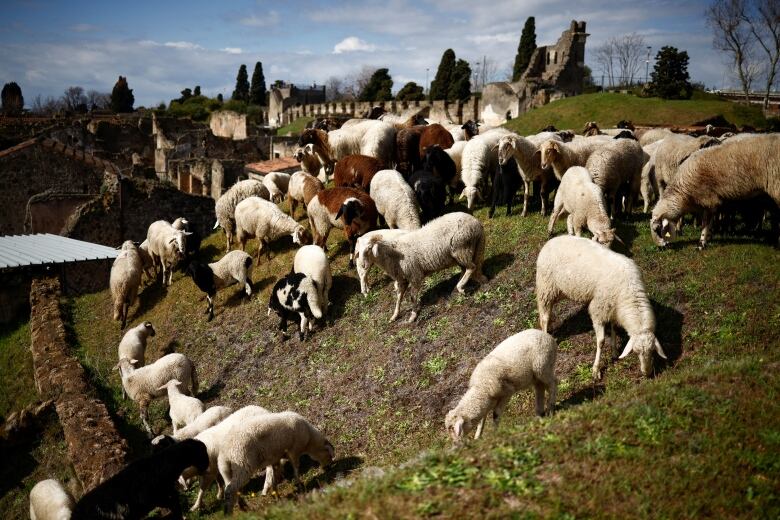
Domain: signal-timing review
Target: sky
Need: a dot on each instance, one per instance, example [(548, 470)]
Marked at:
[(163, 47)]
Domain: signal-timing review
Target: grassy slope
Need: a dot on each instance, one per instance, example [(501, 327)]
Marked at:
[(17, 385), (294, 128), (608, 109)]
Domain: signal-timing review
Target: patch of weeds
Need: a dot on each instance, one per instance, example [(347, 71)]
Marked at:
[(429, 508), (379, 374), (565, 346), (650, 429), (515, 469), (608, 448), (405, 335), (583, 374), (499, 322), (371, 298), (455, 473), (435, 365), (564, 386), (435, 330)]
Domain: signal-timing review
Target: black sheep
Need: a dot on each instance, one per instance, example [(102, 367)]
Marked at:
[(439, 162), (430, 192), (143, 485), (505, 185), (295, 298)]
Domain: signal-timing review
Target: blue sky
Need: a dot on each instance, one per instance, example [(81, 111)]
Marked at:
[(163, 47)]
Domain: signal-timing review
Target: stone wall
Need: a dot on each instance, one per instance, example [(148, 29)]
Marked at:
[(226, 123)]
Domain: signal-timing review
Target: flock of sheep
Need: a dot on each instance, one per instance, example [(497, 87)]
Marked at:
[(400, 173)]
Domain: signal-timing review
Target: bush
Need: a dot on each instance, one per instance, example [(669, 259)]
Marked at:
[(235, 105)]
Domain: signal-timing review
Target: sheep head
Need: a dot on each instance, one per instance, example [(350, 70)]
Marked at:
[(471, 128), (550, 151), (364, 258), (457, 425), (606, 237), (506, 149), (149, 328), (350, 210), (591, 128), (323, 452), (470, 193), (169, 384), (301, 236), (644, 344)]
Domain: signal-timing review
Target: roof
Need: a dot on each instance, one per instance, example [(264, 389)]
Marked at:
[(281, 164), (42, 249)]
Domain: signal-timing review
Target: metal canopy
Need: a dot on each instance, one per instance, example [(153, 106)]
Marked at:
[(24, 250)]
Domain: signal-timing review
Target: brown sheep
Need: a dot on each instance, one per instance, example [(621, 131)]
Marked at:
[(407, 145), (356, 171), (303, 187), (435, 134)]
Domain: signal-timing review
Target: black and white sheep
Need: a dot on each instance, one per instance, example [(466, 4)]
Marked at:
[(296, 297), (234, 267)]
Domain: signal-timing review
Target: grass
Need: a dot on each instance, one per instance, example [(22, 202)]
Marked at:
[(701, 439), (17, 385), (296, 127), (607, 109)]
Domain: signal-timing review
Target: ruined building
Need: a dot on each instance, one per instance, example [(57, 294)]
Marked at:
[(288, 95)]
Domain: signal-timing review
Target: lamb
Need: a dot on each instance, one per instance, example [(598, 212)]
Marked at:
[(234, 267), (736, 169), (225, 207), (312, 261), (144, 384), (395, 200), (262, 219), (50, 501), (313, 163), (344, 208), (143, 485), (505, 185), (672, 153), (579, 196), (125, 279), (527, 155), (453, 239), (479, 156), (562, 156), (362, 242), (210, 417), (523, 360), (303, 187), (184, 409), (609, 283), (431, 194), (296, 297), (263, 441), (133, 344), (276, 183), (167, 246), (356, 171), (617, 165)]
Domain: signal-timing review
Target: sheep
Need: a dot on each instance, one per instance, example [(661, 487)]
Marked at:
[(463, 132), (344, 208), (296, 297), (579, 196), (562, 156), (263, 441), (395, 200), (143, 384), (262, 219), (276, 183), (453, 239), (125, 279), (611, 284), (379, 234), (184, 409), (431, 194), (506, 182), (167, 245), (225, 207), (313, 163), (303, 186), (440, 163), (312, 261), (736, 169), (355, 171), (147, 260), (456, 154), (133, 344), (407, 149), (672, 153), (192, 238), (523, 360), (617, 165), (372, 138), (435, 134), (479, 157), (143, 485), (209, 417), (50, 501), (234, 267), (653, 134)]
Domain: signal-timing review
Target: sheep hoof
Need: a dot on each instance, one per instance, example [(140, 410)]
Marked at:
[(412, 317), (393, 318)]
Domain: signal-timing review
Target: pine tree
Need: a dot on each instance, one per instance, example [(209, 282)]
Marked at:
[(440, 86), (460, 82), (241, 93), (525, 48), (378, 88), (219, 97), (410, 92), (670, 79), (196, 91), (122, 98), (257, 91), (13, 101)]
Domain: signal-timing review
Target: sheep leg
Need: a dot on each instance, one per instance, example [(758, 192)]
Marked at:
[(204, 481), (142, 407), (615, 348), (570, 224), (599, 328), (480, 426), (231, 496), (247, 289), (400, 290), (539, 394), (270, 483), (556, 212), (527, 188), (543, 194), (302, 332), (210, 309), (172, 504), (498, 411), (706, 223), (544, 311), (465, 278), (414, 295)]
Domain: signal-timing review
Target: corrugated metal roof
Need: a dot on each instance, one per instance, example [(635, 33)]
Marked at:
[(24, 250)]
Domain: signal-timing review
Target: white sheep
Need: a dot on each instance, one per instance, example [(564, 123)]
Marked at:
[(611, 284), (234, 267), (225, 207), (561, 156), (167, 245), (395, 200), (144, 384), (617, 165), (184, 409), (262, 219), (209, 417), (303, 187), (277, 184), (371, 137), (50, 501), (452, 239), (653, 134), (579, 196), (362, 243), (672, 153), (147, 260), (125, 279), (456, 154), (524, 360), (133, 344), (649, 183), (312, 261), (480, 158)]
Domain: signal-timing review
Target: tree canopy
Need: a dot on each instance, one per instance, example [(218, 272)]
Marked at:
[(440, 86), (460, 82), (525, 48), (13, 102), (378, 88), (258, 91), (122, 98), (410, 92), (670, 79), (241, 92)]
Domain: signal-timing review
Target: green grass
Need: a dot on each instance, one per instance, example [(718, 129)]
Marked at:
[(607, 109), (17, 384), (296, 127)]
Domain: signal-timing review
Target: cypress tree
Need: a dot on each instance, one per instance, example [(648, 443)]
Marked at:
[(257, 91), (378, 88), (525, 48), (122, 98), (440, 86), (196, 91), (13, 102), (241, 92), (460, 82), (410, 92)]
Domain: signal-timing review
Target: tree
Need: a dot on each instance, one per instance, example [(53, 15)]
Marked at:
[(334, 89), (258, 92), (410, 92), (378, 88), (628, 52), (440, 86), (765, 27), (460, 82), (185, 95), (98, 100), (220, 98), (670, 78), (525, 48), (605, 57), (13, 101), (122, 98), (241, 92), (196, 91), (74, 99)]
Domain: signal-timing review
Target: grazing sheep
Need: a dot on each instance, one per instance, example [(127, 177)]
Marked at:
[(523, 360), (649, 182), (456, 154), (303, 187), (125, 279), (579, 196), (562, 156), (431, 194), (372, 138), (611, 284), (167, 246), (184, 409), (617, 165), (435, 134), (225, 207), (671, 153), (526, 153), (296, 297), (133, 344), (144, 384), (234, 267), (312, 261), (453, 239), (202, 422), (344, 208), (50, 501), (312, 163), (505, 185), (362, 243), (395, 200), (653, 134), (277, 184), (263, 441), (356, 171), (143, 485), (262, 219), (736, 169), (479, 157), (407, 149), (441, 164), (147, 260)]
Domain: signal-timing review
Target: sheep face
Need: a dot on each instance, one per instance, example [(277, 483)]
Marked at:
[(363, 259), (178, 243), (350, 210), (660, 228), (301, 236), (506, 149), (644, 344), (471, 128), (605, 237), (323, 454), (457, 425), (549, 151), (149, 328), (470, 193)]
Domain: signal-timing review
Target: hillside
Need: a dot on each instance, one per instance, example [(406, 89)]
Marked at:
[(700, 439), (607, 109)]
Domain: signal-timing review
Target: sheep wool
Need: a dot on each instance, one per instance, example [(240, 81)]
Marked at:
[(312, 261), (262, 219), (50, 501), (225, 207), (125, 279)]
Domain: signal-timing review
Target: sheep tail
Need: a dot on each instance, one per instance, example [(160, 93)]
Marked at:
[(194, 377), (314, 303)]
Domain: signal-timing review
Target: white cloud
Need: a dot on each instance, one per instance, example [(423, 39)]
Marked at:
[(84, 27), (261, 20), (494, 38), (183, 45), (353, 44), (232, 50)]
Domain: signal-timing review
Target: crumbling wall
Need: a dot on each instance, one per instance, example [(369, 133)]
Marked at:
[(226, 123)]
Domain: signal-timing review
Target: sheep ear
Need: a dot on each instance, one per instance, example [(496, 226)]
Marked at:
[(659, 350), (617, 237), (628, 349), (495, 147), (269, 311), (133, 361), (172, 240), (341, 210), (309, 148), (188, 233), (375, 249), (164, 387), (458, 427)]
